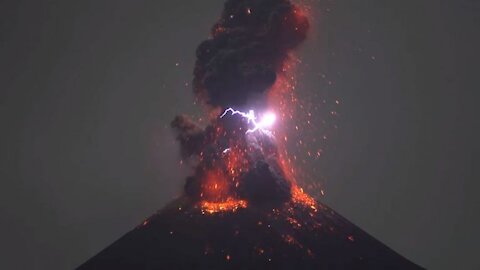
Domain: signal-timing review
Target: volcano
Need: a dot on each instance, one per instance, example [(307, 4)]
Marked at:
[(300, 234), (242, 207)]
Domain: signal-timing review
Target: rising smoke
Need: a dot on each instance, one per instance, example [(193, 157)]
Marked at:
[(239, 63)]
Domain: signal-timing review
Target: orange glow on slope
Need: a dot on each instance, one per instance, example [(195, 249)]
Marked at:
[(216, 195), (300, 197), (229, 205)]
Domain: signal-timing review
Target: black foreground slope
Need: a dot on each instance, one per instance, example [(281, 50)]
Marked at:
[(294, 236)]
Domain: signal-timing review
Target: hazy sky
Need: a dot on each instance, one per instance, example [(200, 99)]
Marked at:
[(87, 88)]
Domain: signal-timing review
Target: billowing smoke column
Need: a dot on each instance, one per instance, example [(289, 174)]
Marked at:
[(235, 68), (249, 45)]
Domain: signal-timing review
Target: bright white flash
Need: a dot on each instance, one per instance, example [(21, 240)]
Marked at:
[(266, 120)]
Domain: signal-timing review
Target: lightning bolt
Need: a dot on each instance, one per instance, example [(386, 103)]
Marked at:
[(266, 121)]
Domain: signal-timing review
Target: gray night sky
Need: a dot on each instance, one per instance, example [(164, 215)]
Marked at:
[(87, 88)]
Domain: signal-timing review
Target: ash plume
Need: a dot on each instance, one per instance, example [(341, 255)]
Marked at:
[(239, 62), (249, 44)]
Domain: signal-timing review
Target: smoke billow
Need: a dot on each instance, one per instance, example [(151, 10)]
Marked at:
[(249, 44), (248, 47)]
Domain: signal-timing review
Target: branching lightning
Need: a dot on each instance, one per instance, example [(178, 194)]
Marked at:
[(266, 121)]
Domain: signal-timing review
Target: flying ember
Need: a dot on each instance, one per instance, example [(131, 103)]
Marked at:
[(266, 120)]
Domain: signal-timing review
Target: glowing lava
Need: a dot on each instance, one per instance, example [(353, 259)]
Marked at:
[(230, 204)]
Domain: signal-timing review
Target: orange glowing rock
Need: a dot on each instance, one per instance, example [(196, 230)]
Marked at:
[(300, 197), (229, 205)]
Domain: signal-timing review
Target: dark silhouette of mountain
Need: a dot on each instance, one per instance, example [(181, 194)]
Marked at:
[(297, 235)]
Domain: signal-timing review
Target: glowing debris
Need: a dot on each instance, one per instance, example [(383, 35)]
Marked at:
[(229, 205)]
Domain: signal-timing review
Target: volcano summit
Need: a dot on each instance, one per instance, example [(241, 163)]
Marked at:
[(295, 235)]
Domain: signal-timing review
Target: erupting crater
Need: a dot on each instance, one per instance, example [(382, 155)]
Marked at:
[(242, 207)]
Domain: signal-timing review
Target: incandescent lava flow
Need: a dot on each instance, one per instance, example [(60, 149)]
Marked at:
[(242, 208)]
